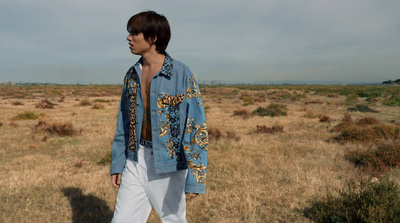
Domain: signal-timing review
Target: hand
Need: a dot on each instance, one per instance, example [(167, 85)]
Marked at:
[(116, 179), (191, 196)]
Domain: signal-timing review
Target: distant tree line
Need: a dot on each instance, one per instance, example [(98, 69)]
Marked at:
[(392, 82)]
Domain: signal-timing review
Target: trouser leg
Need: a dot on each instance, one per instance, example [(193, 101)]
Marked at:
[(141, 188), (132, 205), (166, 191)]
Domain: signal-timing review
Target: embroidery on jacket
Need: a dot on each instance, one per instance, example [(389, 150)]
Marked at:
[(169, 110), (193, 90), (199, 139), (131, 84)]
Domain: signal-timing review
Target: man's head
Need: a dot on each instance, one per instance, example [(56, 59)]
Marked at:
[(155, 28)]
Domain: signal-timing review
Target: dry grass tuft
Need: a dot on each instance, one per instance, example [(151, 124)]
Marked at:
[(97, 105), (214, 133), (244, 113), (394, 122), (45, 104), (278, 127), (346, 122), (106, 159), (85, 102), (17, 103), (58, 128), (25, 116), (313, 102), (79, 164), (62, 99), (232, 135), (13, 124)]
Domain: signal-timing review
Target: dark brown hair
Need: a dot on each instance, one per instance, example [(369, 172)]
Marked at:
[(151, 25)]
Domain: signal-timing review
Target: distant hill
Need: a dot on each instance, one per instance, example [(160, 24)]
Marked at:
[(392, 82)]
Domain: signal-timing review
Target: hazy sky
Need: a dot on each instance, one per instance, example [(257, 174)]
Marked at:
[(253, 41)]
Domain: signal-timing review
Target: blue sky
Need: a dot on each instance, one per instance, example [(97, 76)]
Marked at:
[(254, 41)]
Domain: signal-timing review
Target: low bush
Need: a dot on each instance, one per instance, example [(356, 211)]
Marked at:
[(244, 113), (55, 128), (214, 133), (45, 104), (376, 161), (17, 103), (365, 130), (362, 108), (346, 122), (370, 202), (271, 110), (101, 100), (313, 102), (325, 118), (232, 135), (271, 130), (367, 121), (369, 133), (25, 116)]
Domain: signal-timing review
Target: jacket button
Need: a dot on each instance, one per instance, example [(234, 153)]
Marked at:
[(137, 103)]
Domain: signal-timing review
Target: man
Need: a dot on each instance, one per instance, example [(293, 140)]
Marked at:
[(159, 151)]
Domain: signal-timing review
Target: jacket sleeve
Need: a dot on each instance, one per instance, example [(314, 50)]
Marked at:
[(120, 138), (195, 139)]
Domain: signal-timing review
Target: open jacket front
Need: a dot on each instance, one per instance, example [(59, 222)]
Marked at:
[(178, 123)]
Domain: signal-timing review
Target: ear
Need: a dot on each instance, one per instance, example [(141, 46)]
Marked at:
[(152, 40)]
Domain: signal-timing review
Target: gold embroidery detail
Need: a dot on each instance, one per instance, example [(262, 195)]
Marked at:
[(172, 100)]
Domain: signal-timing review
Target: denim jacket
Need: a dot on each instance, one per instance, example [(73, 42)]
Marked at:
[(178, 123)]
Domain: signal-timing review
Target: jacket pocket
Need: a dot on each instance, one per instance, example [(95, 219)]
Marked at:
[(172, 100)]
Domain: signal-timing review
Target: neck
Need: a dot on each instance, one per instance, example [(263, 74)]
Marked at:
[(153, 59)]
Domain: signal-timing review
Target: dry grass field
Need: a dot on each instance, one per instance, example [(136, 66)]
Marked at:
[(55, 144)]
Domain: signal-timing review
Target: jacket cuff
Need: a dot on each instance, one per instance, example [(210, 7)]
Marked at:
[(115, 170), (195, 188)]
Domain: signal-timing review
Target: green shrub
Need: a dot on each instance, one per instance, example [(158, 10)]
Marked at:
[(362, 108), (271, 110), (351, 99), (392, 101), (372, 202), (292, 97), (25, 116), (248, 100)]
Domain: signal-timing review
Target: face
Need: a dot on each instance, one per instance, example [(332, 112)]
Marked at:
[(138, 44)]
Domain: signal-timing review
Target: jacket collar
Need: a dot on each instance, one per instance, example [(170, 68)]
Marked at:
[(167, 67)]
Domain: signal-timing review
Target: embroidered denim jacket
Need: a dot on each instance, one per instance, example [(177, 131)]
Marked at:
[(178, 123)]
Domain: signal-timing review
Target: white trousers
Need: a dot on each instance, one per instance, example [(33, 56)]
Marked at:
[(141, 189)]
